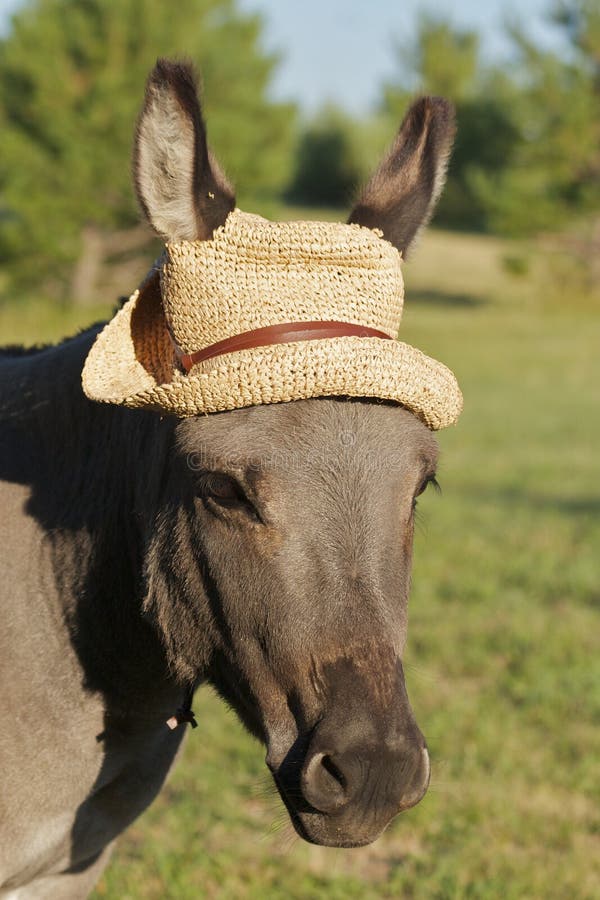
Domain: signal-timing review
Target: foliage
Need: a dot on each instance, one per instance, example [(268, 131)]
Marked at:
[(441, 60), (554, 175), (526, 160), (446, 61), (326, 169), (71, 83), (335, 154), (527, 155)]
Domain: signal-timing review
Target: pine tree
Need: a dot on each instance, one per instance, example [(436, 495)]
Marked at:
[(71, 82), (446, 61), (554, 177)]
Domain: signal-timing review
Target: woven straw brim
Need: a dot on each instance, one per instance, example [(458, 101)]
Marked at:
[(133, 363)]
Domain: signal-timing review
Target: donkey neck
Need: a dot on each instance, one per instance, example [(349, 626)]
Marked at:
[(93, 475)]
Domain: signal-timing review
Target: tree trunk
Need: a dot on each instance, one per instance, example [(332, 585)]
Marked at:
[(84, 279), (107, 262)]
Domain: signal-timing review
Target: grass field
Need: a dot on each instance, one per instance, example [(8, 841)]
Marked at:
[(503, 658)]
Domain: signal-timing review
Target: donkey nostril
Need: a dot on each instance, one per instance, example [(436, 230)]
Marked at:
[(324, 783), (335, 772)]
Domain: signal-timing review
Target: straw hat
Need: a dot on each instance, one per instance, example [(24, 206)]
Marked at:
[(267, 312)]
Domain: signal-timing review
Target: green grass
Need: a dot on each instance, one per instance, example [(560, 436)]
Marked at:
[(503, 659)]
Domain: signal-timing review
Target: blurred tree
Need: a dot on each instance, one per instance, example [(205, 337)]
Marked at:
[(445, 61), (327, 167), (442, 60), (553, 178), (71, 83)]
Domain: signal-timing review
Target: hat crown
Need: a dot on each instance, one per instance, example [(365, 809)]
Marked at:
[(255, 273)]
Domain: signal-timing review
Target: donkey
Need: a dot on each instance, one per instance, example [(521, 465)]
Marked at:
[(143, 553)]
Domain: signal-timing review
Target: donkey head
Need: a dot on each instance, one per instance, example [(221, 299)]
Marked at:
[(279, 566)]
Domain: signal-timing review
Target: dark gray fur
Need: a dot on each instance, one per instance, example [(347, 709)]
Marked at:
[(266, 551)]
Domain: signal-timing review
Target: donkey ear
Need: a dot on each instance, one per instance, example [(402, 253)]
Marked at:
[(401, 196), (179, 186)]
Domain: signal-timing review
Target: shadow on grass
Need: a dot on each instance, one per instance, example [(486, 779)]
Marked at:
[(577, 505), (446, 298)]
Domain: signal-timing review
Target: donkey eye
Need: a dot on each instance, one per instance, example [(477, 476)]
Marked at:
[(430, 479), (221, 488), (225, 492)]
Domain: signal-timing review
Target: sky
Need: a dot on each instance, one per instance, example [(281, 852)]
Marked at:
[(342, 50)]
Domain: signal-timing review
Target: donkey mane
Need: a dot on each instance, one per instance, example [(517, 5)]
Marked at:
[(11, 351), (14, 351)]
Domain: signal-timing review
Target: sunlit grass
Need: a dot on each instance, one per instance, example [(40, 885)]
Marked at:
[(503, 660)]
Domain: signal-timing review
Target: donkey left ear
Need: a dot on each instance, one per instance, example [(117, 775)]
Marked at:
[(401, 196), (180, 187)]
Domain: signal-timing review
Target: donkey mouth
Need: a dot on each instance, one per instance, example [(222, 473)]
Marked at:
[(355, 823), (317, 828)]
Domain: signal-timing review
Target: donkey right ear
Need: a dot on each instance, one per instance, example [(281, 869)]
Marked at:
[(401, 196), (181, 189)]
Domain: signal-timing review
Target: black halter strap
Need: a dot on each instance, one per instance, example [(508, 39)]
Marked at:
[(184, 713)]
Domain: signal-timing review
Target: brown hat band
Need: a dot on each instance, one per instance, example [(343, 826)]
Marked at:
[(283, 333)]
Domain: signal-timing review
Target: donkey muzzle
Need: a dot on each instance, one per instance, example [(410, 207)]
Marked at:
[(362, 764)]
